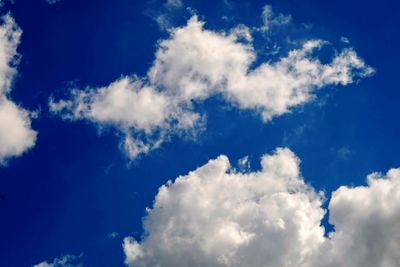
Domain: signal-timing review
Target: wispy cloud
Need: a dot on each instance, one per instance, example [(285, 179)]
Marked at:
[(194, 64), (52, 2), (64, 261)]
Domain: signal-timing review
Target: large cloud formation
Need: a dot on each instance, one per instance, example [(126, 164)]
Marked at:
[(194, 64), (16, 135), (217, 216)]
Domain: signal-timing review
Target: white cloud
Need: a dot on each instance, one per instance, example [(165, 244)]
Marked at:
[(163, 21), (65, 261), (195, 64), (367, 223), (112, 235), (216, 216), (52, 2), (244, 164), (126, 102), (164, 14), (344, 153), (174, 3), (270, 19), (130, 104), (16, 135), (345, 40), (10, 36)]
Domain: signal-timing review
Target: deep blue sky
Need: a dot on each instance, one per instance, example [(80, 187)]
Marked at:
[(75, 186)]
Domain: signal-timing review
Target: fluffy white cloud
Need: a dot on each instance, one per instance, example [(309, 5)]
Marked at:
[(195, 64), (126, 102), (130, 104), (65, 261), (367, 223), (16, 135), (217, 216)]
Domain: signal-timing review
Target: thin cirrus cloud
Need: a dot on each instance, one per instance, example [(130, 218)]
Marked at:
[(218, 216), (270, 19), (16, 134), (194, 64), (174, 3)]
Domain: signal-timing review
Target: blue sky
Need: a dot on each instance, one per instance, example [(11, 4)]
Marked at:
[(79, 191)]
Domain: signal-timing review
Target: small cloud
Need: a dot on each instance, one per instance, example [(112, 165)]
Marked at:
[(52, 2), (244, 164), (174, 3), (226, 18), (344, 153), (228, 3), (345, 40), (163, 22), (64, 261), (112, 235), (295, 135), (164, 14), (270, 19)]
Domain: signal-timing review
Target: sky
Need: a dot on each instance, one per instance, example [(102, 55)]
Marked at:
[(199, 133)]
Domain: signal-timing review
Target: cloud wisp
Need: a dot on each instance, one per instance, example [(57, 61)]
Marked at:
[(196, 63), (16, 134), (64, 261), (52, 2), (217, 216)]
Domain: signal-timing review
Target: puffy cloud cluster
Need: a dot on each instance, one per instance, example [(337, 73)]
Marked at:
[(16, 135), (217, 216), (194, 64), (367, 223)]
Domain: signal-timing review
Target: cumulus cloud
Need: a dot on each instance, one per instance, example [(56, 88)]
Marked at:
[(194, 64), (129, 104), (65, 261), (16, 135), (367, 223), (216, 216)]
